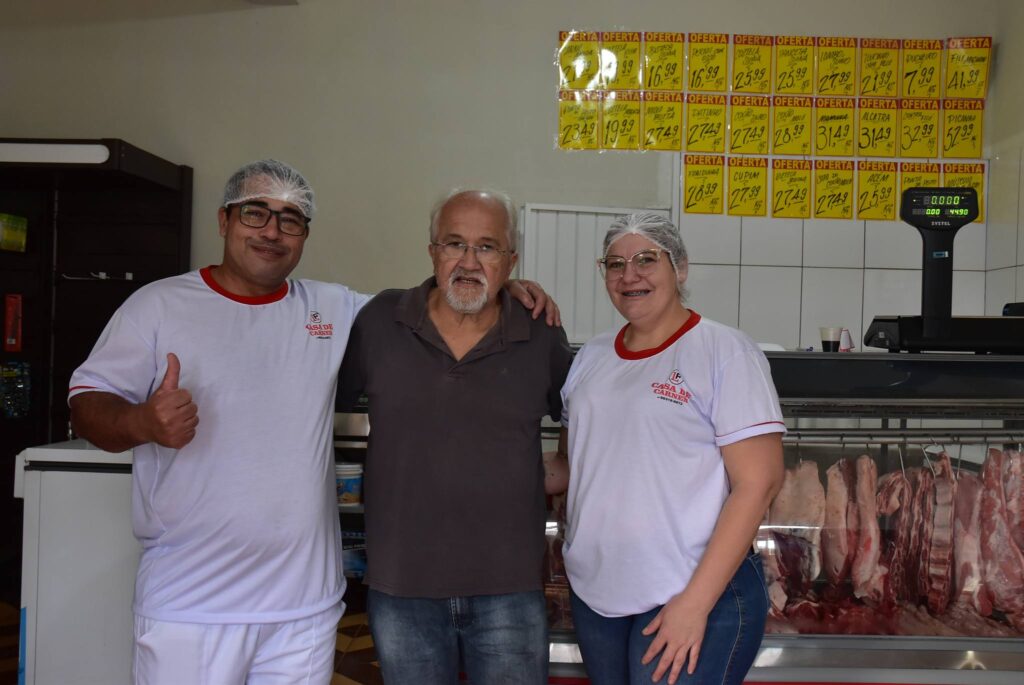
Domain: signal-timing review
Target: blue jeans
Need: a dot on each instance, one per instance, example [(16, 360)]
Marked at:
[(501, 639), (612, 647)]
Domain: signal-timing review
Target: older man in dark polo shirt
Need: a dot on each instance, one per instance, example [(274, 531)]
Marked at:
[(458, 381)]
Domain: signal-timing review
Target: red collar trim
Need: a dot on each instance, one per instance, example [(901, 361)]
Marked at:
[(207, 273), (620, 344)]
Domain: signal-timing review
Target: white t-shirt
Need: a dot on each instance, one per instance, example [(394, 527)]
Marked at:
[(241, 524), (647, 479)]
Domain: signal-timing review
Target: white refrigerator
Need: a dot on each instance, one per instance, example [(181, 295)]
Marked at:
[(78, 567)]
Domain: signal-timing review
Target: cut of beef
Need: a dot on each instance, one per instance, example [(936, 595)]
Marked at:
[(839, 537), (939, 564), (1002, 561), (967, 569), (868, 575)]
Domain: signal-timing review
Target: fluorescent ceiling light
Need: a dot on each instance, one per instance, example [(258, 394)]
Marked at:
[(54, 153)]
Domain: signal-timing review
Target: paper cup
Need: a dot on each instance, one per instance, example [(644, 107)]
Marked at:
[(830, 338)]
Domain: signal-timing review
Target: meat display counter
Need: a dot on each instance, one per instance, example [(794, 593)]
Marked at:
[(894, 552)]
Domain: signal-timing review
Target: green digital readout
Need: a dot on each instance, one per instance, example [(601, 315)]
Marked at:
[(941, 200)]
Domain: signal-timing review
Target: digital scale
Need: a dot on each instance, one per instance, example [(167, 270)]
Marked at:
[(937, 214)]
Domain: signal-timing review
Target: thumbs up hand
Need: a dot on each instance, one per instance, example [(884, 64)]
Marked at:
[(169, 415)]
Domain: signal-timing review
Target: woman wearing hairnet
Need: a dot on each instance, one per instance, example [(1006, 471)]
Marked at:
[(672, 431)]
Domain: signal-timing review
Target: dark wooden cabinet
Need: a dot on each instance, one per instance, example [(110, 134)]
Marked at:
[(104, 218)]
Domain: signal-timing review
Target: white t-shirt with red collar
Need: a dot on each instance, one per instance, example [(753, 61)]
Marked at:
[(647, 478), (240, 525)]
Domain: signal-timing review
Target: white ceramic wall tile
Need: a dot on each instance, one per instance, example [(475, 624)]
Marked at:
[(833, 243), (891, 245), (968, 293), (891, 291), (1020, 219), (1000, 288), (770, 304), (830, 297), (969, 248), (711, 238), (715, 292), (1003, 196), (771, 242)]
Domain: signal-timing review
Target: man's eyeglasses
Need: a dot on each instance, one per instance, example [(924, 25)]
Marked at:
[(257, 216), (486, 254), (644, 263)]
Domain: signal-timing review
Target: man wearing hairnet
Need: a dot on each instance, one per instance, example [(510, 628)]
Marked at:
[(223, 381)]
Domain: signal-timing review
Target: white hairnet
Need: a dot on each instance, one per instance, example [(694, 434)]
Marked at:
[(660, 231), (271, 179)]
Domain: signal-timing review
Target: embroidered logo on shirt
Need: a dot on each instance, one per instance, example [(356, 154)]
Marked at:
[(317, 328), (673, 390)]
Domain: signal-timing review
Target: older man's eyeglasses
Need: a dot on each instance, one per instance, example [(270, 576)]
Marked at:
[(289, 222), (644, 262), (486, 254)]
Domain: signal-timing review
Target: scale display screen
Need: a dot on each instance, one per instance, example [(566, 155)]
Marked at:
[(939, 208)]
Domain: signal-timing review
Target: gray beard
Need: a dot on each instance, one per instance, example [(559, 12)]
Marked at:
[(466, 303)]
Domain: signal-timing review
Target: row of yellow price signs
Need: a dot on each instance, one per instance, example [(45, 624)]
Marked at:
[(819, 189), (787, 65), (780, 125)]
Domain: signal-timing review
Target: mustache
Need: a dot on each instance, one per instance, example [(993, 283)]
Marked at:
[(270, 247), (459, 272)]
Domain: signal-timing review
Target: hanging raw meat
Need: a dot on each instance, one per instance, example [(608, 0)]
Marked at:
[(1013, 492), (868, 575), (839, 537), (939, 564), (894, 502), (969, 587), (799, 509), (1002, 561)]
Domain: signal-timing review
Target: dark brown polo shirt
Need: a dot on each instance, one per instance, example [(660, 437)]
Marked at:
[(454, 484)]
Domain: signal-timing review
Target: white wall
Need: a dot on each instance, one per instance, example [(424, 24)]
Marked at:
[(1005, 243), (382, 104)]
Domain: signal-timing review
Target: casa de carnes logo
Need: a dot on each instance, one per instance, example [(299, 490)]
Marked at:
[(317, 328), (672, 390)]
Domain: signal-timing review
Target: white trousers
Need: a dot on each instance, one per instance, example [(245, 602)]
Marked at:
[(293, 653)]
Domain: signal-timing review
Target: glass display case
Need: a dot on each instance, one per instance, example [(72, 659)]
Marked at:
[(895, 550)]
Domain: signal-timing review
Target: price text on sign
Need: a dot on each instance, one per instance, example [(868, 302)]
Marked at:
[(919, 128), (792, 126), (579, 61), (918, 175), (663, 61), (578, 117), (748, 186), (834, 127), (791, 188), (922, 68), (620, 120), (663, 121), (833, 189), (752, 63), (794, 65), (709, 61), (877, 127), (705, 123), (748, 129), (876, 191), (879, 67), (961, 127), (837, 64), (702, 184), (620, 59), (967, 176), (967, 61)]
